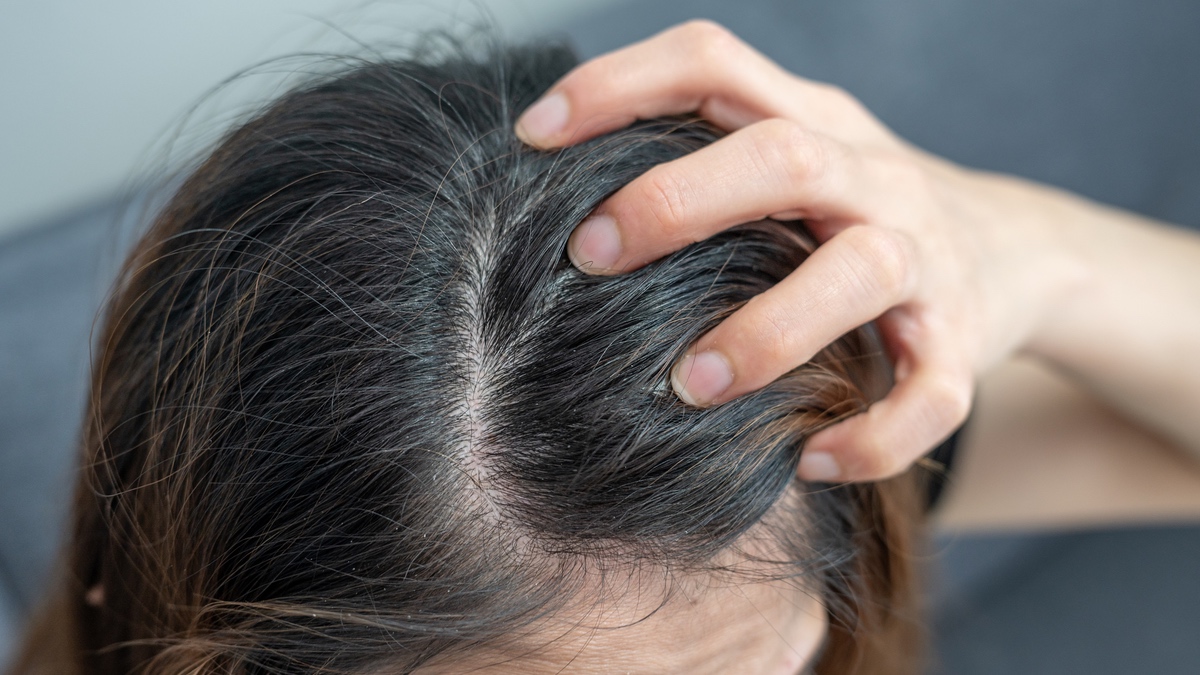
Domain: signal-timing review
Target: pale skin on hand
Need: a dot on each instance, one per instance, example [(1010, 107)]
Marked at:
[(962, 269)]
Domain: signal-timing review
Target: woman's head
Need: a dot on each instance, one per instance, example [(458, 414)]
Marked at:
[(354, 411)]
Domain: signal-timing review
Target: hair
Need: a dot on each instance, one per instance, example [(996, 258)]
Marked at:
[(353, 407)]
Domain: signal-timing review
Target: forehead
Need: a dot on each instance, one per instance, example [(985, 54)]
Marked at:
[(700, 626)]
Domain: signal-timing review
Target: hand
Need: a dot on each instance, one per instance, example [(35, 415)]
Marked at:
[(958, 267)]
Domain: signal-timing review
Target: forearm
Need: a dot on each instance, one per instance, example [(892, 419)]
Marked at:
[(1127, 327), (1041, 452)]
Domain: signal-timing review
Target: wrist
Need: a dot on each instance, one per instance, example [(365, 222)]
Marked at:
[(1069, 230), (1036, 264)]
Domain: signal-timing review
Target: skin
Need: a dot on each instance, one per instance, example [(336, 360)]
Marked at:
[(733, 618), (962, 269), (707, 626), (1033, 427)]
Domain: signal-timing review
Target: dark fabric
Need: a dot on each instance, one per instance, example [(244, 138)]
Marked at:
[(1111, 602)]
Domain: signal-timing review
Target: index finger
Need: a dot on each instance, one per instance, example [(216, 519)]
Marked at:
[(767, 168), (697, 66)]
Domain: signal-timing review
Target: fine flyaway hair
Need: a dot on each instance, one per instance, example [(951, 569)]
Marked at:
[(353, 408)]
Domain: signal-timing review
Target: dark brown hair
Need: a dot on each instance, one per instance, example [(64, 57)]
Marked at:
[(353, 407)]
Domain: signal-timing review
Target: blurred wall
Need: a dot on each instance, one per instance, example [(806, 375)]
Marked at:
[(90, 92)]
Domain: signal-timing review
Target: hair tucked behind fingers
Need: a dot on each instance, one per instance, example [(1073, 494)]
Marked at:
[(353, 405)]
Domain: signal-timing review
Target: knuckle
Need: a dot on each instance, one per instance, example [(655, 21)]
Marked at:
[(950, 401), (665, 198), (710, 43), (841, 99), (773, 338), (885, 258), (704, 30), (787, 147), (876, 459)]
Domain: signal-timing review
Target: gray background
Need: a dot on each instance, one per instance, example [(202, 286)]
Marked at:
[(1098, 96), (93, 91)]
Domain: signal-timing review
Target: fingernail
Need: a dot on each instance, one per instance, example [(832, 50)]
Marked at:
[(543, 120), (819, 466), (699, 379), (595, 245)]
